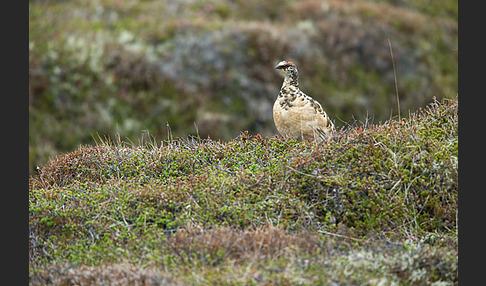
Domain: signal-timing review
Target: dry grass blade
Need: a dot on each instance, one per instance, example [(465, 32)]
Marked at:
[(395, 77)]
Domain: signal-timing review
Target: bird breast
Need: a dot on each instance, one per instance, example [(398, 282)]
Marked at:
[(297, 116)]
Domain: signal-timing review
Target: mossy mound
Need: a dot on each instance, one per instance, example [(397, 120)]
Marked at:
[(375, 199)]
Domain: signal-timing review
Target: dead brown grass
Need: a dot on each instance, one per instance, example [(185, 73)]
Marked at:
[(215, 245), (113, 274)]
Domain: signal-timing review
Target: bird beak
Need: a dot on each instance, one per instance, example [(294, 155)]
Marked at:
[(283, 65)]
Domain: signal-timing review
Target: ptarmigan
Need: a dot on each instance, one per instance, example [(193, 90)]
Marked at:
[(296, 114)]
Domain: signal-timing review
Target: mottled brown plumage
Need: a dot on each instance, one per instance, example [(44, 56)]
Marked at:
[(296, 114)]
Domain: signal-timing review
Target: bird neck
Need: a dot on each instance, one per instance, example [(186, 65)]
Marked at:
[(291, 81)]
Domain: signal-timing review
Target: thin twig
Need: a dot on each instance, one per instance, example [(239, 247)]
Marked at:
[(343, 236), (302, 173), (395, 76)]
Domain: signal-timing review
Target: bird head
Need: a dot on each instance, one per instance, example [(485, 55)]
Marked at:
[(288, 69)]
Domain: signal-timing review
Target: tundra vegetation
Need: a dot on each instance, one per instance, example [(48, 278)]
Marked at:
[(153, 157), (205, 67), (375, 204)]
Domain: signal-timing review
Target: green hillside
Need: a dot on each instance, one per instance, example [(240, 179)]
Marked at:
[(374, 205), (205, 67)]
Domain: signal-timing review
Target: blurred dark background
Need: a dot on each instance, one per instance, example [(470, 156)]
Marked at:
[(206, 67)]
